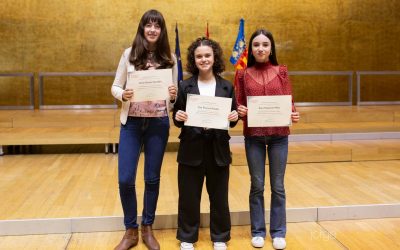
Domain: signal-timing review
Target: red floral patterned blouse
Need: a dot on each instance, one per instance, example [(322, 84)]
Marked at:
[(260, 80)]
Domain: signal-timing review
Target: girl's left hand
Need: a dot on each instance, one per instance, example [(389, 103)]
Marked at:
[(295, 116), (172, 92), (233, 116)]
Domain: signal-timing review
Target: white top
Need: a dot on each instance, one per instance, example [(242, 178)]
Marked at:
[(208, 88)]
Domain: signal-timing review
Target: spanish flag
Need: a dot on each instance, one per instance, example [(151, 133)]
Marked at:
[(239, 52)]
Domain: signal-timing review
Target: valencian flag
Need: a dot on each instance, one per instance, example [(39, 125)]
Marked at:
[(207, 33), (239, 52), (178, 54)]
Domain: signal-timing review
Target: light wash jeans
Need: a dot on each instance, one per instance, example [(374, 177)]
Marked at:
[(256, 149)]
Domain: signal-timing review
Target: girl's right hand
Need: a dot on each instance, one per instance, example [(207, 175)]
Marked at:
[(181, 116), (242, 110), (127, 94), (295, 116)]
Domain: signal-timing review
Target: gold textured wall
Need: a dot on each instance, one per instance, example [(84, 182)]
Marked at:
[(62, 36)]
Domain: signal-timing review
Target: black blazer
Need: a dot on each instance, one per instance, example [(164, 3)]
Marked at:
[(192, 138)]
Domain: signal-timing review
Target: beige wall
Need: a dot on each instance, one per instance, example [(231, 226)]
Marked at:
[(52, 36)]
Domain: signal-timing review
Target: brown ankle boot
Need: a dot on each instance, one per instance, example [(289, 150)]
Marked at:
[(129, 240), (148, 238)]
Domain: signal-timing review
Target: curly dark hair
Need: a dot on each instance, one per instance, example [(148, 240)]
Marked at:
[(218, 66)]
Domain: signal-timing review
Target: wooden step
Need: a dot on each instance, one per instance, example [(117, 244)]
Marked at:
[(6, 117), (321, 128), (64, 118), (86, 185), (349, 113), (45, 136), (331, 151), (34, 127)]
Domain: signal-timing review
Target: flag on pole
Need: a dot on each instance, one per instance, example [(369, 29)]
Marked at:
[(239, 52), (178, 54), (207, 33)]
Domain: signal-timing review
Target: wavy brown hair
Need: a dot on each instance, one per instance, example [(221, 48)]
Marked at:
[(218, 66), (162, 53)]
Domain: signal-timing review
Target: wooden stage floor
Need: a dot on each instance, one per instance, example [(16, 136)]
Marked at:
[(329, 235), (85, 185), (344, 163)]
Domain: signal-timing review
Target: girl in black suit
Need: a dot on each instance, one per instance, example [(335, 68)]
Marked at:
[(203, 152)]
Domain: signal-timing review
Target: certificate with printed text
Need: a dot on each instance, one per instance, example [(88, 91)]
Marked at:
[(269, 111), (208, 111), (149, 85)]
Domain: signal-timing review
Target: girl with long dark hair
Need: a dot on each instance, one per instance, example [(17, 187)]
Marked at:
[(144, 125)]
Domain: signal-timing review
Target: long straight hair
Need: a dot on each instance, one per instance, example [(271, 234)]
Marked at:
[(162, 52), (272, 57)]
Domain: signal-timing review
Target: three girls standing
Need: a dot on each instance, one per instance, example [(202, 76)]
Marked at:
[(202, 152)]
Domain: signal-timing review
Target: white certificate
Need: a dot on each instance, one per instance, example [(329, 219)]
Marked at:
[(149, 85), (269, 111), (208, 111)]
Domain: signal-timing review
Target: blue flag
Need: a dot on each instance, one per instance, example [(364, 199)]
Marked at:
[(178, 54), (239, 52)]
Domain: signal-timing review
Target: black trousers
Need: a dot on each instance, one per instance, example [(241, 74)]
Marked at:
[(190, 184)]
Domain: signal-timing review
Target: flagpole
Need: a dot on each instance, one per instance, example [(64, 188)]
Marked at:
[(207, 32), (178, 54)]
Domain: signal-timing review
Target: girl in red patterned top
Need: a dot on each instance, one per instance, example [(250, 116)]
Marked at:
[(265, 77)]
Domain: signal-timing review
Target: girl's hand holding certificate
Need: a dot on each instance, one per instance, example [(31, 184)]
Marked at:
[(181, 116), (127, 94), (233, 116), (172, 90), (295, 116), (242, 110)]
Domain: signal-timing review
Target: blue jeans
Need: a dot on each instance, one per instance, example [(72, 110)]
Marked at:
[(151, 134), (277, 148)]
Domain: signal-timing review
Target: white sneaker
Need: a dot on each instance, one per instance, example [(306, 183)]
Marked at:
[(257, 241), (279, 243), (187, 246), (220, 246)]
